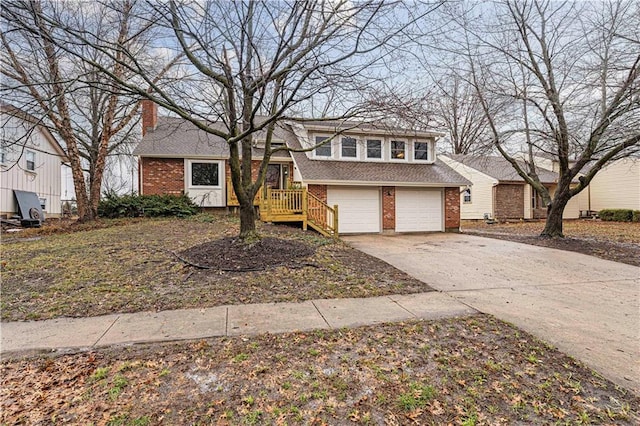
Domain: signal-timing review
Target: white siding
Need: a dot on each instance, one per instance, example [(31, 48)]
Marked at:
[(45, 180), (617, 186), (576, 204), (481, 191)]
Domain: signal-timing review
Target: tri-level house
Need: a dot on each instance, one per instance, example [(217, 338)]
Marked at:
[(363, 179)]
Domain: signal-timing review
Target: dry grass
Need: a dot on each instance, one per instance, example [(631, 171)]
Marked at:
[(130, 267), (466, 371)]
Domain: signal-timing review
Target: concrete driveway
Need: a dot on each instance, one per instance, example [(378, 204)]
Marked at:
[(588, 307)]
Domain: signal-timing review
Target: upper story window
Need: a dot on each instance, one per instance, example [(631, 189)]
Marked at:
[(374, 148), (349, 148), (466, 195), (325, 149), (421, 151), (398, 150), (30, 158), (205, 174)]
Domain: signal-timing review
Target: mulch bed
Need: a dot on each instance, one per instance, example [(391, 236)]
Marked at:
[(233, 254)]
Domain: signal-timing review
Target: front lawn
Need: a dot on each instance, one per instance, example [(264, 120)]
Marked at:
[(466, 371), (131, 266), (616, 241)]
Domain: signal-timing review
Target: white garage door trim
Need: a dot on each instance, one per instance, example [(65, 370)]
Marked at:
[(359, 209), (419, 210)]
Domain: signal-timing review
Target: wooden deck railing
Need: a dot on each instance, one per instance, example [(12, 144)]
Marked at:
[(298, 205), (322, 215), (232, 198), (285, 201)]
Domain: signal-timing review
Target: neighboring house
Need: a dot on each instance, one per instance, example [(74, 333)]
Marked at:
[(380, 179), (30, 160), (498, 192), (615, 186)]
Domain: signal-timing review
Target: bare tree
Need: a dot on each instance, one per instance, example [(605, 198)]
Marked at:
[(253, 64), (459, 110), (560, 79), (80, 104)]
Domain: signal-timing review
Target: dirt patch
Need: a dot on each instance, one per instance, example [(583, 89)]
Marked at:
[(619, 242), (233, 254), (471, 370)]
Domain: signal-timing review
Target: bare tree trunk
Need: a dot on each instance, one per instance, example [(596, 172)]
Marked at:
[(555, 211), (248, 221), (553, 226)]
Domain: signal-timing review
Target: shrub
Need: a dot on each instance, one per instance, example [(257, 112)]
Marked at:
[(635, 217), (616, 215), (114, 206)]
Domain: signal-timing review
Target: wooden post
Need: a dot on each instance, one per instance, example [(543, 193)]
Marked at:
[(305, 205), (335, 221), (268, 203)]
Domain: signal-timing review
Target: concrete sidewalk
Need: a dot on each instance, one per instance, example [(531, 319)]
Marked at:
[(65, 333)]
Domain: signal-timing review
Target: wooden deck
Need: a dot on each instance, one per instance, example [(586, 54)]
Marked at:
[(292, 205)]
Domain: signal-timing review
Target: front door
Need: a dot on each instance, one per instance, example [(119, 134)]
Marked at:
[(273, 178)]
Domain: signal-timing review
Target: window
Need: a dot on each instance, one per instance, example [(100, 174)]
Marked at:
[(30, 157), (397, 150), (421, 151), (323, 150), (349, 149), (536, 199), (3, 153), (374, 148), (204, 174), (466, 195)]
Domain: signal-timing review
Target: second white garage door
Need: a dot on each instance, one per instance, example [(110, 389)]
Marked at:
[(418, 210), (358, 208)]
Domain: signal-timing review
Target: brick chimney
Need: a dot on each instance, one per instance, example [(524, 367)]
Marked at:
[(149, 116)]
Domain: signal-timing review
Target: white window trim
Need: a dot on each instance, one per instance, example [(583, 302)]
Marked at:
[(406, 151), (26, 161), (357, 157), (429, 159), (464, 195), (366, 151), (221, 174), (328, 144)]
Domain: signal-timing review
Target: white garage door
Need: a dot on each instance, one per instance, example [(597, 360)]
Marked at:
[(418, 210), (358, 208)]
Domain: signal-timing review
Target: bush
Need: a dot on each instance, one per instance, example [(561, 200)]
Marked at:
[(618, 215), (635, 217), (114, 206)]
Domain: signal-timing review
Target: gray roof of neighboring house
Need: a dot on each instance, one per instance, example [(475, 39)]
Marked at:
[(500, 169), (374, 172), (176, 137)]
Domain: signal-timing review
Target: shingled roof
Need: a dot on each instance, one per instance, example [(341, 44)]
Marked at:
[(500, 169), (179, 138), (360, 172)]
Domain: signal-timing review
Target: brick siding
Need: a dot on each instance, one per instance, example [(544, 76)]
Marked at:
[(388, 207), (509, 201), (452, 209), (319, 191), (162, 176)]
